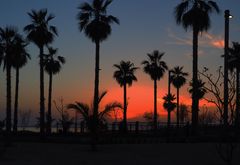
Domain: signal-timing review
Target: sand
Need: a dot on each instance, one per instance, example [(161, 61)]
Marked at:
[(114, 154)]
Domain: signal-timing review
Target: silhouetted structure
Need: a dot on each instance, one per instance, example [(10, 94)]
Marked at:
[(41, 34), (95, 23), (194, 14), (52, 65), (156, 68)]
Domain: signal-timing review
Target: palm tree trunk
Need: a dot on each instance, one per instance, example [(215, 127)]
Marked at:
[(49, 120), (155, 106), (237, 99), (177, 107), (169, 119), (42, 99), (195, 79), (125, 107), (15, 120), (96, 95), (8, 101)]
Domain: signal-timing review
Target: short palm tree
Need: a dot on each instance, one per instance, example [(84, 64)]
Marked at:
[(178, 78), (87, 112), (96, 24), (124, 75), (8, 39), (155, 68), (41, 33), (20, 59), (169, 105), (234, 62), (52, 65), (195, 14)]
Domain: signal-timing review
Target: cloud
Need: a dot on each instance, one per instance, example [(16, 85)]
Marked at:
[(205, 39)]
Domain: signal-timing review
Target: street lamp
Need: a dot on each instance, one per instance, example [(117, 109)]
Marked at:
[(227, 16), (169, 81)]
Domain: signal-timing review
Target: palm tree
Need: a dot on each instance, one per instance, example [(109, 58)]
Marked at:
[(52, 65), (195, 14), (234, 62), (41, 34), (124, 75), (156, 68), (169, 105), (20, 59), (87, 113), (201, 91), (95, 22), (8, 38), (178, 78)]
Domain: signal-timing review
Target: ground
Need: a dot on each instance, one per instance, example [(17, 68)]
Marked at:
[(114, 154)]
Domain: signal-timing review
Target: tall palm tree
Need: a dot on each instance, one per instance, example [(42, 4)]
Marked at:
[(195, 14), (178, 78), (124, 75), (8, 38), (20, 59), (234, 62), (155, 68), (96, 24), (41, 33), (169, 105), (52, 65)]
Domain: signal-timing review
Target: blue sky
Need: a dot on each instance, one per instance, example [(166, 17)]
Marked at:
[(145, 25)]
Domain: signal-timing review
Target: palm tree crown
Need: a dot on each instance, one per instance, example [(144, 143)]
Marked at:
[(169, 103), (195, 13), (39, 31), (52, 63), (154, 66), (178, 77), (93, 19), (201, 91), (125, 73)]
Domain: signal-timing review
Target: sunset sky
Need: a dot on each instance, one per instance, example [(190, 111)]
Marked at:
[(145, 25)]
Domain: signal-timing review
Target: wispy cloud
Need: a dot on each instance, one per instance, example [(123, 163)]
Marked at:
[(205, 39)]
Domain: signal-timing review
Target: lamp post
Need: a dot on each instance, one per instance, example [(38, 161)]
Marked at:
[(226, 54), (169, 81)]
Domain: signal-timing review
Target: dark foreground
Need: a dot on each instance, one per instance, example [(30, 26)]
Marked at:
[(26, 153)]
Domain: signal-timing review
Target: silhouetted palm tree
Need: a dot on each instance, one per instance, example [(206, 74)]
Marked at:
[(52, 65), (234, 63), (41, 33), (194, 14), (8, 38), (87, 112), (178, 78), (124, 75), (201, 91), (20, 59), (156, 68), (169, 105), (95, 22)]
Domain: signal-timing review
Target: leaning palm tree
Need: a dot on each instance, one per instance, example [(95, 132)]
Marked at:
[(178, 78), (8, 38), (124, 75), (41, 33), (52, 65), (195, 14), (20, 59), (169, 105), (95, 22), (234, 62), (156, 68)]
